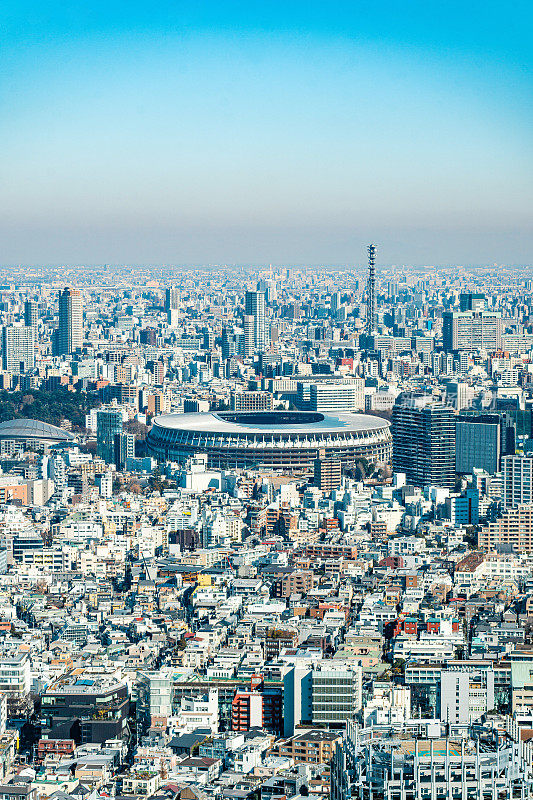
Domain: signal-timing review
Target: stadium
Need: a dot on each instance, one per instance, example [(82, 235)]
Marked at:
[(288, 441), (32, 433)]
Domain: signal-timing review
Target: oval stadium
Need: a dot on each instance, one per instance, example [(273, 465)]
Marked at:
[(33, 433), (289, 441)]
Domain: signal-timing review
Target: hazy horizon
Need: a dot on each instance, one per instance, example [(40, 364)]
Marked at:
[(288, 134)]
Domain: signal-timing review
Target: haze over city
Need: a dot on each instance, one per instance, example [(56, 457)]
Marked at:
[(284, 133)]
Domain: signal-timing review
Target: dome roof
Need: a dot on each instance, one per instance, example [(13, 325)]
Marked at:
[(33, 429)]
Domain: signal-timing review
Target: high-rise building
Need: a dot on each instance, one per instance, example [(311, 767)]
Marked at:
[(228, 343), (472, 302), (472, 330), (423, 441), (327, 472), (249, 336), (335, 302), (465, 695), (18, 349), (517, 478), (477, 443), (124, 449), (172, 304), (172, 298), (108, 425), (255, 306), (70, 331), (30, 313)]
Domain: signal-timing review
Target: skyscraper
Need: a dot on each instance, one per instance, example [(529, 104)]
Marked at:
[(255, 306), (249, 335), (18, 349), (108, 425), (172, 298), (70, 331), (172, 304), (228, 343), (423, 441), (30, 313)]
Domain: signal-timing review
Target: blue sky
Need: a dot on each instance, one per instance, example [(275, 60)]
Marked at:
[(285, 133)]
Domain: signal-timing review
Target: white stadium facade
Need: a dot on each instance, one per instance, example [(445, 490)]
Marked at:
[(287, 441)]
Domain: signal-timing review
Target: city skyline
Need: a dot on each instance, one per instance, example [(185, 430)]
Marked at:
[(288, 135)]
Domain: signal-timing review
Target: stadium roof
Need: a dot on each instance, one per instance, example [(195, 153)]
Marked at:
[(33, 429), (271, 421)]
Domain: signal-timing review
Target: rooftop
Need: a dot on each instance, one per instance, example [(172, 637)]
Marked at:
[(33, 429)]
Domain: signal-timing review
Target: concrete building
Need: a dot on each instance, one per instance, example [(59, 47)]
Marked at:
[(255, 307), (327, 472), (423, 441), (478, 443), (465, 695), (252, 401), (514, 529), (517, 477), (31, 313), (109, 423), (330, 396), (18, 349), (432, 762), (70, 331), (472, 330), (323, 696)]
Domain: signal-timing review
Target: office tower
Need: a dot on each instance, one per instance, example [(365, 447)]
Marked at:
[(108, 424), (228, 343), (269, 288), (30, 313), (423, 441), (517, 478), (371, 305), (327, 472), (172, 298), (172, 304), (327, 396), (459, 394), (335, 302), (392, 290), (472, 302), (18, 349), (70, 331), (478, 443), (471, 330), (255, 306)]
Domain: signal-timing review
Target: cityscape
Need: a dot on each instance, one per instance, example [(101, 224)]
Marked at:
[(266, 401)]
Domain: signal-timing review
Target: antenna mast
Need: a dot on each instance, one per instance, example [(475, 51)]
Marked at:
[(371, 304)]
